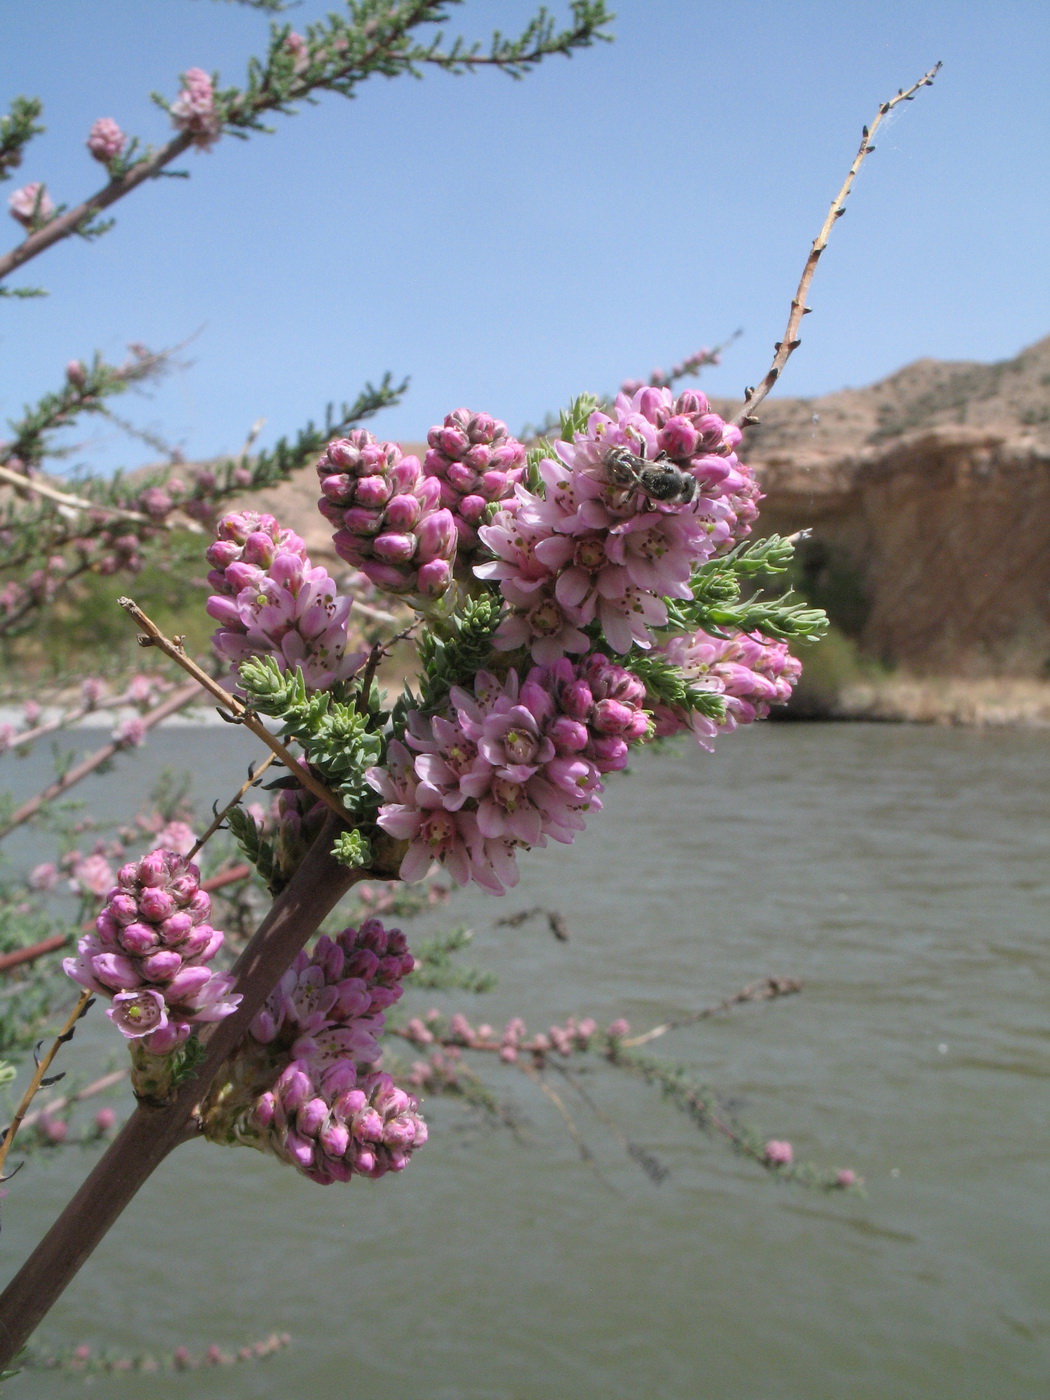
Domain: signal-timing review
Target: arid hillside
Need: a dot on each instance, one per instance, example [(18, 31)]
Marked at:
[(929, 498)]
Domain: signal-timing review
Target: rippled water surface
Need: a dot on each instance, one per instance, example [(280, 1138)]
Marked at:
[(900, 873)]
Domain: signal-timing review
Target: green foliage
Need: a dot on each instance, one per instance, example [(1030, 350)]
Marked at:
[(704, 1107), (435, 969), (33, 432), (717, 602), (85, 629), (257, 849), (335, 734), (573, 419), (352, 850), (17, 128), (375, 38), (454, 652), (664, 681)]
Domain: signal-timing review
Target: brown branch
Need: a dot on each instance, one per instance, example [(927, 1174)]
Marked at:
[(39, 1074), (768, 989), (153, 1131), (783, 348), (65, 225), (174, 702), (155, 638)]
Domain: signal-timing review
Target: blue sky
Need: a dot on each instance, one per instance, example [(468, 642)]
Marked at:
[(510, 244)]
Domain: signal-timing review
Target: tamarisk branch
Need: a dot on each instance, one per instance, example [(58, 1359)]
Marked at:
[(784, 348)]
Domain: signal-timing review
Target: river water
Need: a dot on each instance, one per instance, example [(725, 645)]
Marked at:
[(902, 874)]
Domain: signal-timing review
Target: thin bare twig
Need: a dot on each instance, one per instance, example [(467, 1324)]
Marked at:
[(783, 348), (585, 1152), (64, 498), (83, 1002), (221, 816), (154, 637), (768, 989), (97, 1086)]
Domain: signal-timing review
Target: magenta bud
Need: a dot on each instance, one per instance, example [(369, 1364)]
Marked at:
[(437, 536), (187, 983), (293, 1086), (156, 905), (123, 908), (394, 548), (368, 1126), (403, 513), (334, 1137), (264, 1028), (113, 970), (434, 578), (153, 869), (264, 1108), (175, 929), (373, 491), (359, 521), (348, 1103), (382, 997), (139, 939), (161, 966), (310, 1117)]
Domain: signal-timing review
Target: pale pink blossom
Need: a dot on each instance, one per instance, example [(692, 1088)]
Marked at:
[(193, 111), (779, 1153), (105, 140), (31, 205)]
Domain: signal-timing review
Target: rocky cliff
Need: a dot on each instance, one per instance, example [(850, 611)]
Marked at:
[(929, 499)]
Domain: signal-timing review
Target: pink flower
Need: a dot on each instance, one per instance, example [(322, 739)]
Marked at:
[(274, 602), (105, 140), (105, 1119), (477, 463), (176, 836), (389, 521), (324, 1110), (139, 1013), (149, 952), (845, 1179), (193, 111), (130, 733), (31, 205), (92, 875), (778, 1153), (43, 877)]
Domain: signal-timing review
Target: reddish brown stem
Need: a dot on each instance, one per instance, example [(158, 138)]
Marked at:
[(67, 224), (29, 809), (152, 1132)]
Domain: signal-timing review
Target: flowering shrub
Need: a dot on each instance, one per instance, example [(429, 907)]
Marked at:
[(570, 600)]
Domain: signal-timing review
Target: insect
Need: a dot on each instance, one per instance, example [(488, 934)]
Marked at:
[(659, 479)]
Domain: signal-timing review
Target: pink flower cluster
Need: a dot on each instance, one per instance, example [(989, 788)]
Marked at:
[(273, 602), (303, 1085), (749, 670), (477, 463), (105, 140), (596, 547), (390, 523), (149, 953), (508, 766), (31, 205), (193, 111)]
